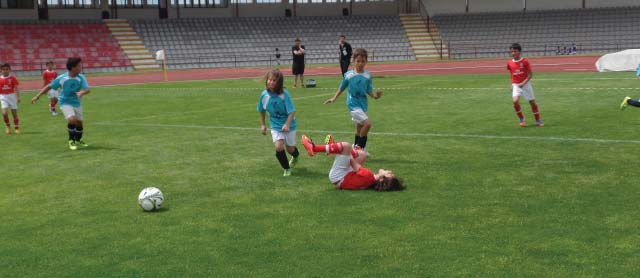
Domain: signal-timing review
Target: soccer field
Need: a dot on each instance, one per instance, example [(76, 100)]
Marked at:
[(484, 197)]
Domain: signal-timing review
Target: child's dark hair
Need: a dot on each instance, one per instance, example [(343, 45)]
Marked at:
[(73, 62), (516, 46), (49, 63), (388, 184), (360, 52), (279, 77), (343, 36), (297, 40), (5, 65)]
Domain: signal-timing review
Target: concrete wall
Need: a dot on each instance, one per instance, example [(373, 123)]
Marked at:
[(483, 6), (14, 14), (536, 5), (611, 3)]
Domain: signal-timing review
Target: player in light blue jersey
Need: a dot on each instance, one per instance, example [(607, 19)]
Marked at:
[(277, 101), (71, 87), (359, 83)]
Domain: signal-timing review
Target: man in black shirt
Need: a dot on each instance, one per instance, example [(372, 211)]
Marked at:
[(345, 54), (298, 63)]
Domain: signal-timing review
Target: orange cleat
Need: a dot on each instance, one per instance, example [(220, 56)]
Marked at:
[(308, 144)]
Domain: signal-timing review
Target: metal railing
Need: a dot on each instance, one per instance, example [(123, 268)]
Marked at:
[(270, 59), (466, 50)]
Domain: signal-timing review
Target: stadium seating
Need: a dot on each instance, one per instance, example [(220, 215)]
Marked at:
[(541, 32), (230, 42), (27, 45)]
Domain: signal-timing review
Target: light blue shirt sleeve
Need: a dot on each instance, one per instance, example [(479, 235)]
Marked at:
[(260, 107), (288, 103), (55, 84), (344, 84), (84, 84)]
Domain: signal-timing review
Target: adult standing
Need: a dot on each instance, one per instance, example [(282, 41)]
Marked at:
[(298, 62), (345, 54)]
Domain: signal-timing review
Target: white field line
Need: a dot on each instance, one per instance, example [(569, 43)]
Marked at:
[(204, 110), (393, 134)]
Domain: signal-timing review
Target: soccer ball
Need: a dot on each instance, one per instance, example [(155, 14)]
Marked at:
[(150, 199)]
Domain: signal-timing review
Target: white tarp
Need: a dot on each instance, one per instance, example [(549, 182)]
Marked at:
[(626, 60), (160, 55)]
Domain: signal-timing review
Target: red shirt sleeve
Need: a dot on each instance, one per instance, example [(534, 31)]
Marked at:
[(361, 179), (15, 81)]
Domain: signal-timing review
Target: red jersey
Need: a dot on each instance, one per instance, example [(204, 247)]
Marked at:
[(356, 180), (49, 76), (519, 70), (8, 84)]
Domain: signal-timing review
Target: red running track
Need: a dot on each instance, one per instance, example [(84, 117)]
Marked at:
[(549, 64)]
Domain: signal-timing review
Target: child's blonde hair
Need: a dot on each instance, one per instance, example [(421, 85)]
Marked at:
[(279, 77)]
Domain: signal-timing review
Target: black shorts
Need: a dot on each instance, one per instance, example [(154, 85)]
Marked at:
[(297, 69)]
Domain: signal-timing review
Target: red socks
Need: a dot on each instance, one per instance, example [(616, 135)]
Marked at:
[(16, 122), (518, 111), (6, 120), (335, 148), (53, 103), (536, 114)]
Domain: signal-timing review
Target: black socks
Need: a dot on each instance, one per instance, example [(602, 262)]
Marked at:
[(282, 158)]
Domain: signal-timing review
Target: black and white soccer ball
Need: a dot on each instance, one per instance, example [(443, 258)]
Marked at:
[(150, 199)]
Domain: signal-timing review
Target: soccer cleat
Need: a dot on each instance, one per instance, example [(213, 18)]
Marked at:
[(17, 131), (329, 139), (82, 144), (624, 103), (293, 161), (287, 172), (539, 123), (523, 123), (308, 144), (54, 113), (7, 131), (72, 145)]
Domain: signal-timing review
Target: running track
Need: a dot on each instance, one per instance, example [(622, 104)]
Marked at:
[(551, 64)]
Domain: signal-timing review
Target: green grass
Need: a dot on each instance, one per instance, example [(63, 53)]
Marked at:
[(485, 197)]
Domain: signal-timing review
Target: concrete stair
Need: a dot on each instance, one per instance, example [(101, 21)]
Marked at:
[(425, 42), (130, 42)]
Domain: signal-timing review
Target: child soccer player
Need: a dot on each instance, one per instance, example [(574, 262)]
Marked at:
[(73, 86), (348, 171), (360, 85), (521, 73), (277, 101), (9, 97), (47, 76)]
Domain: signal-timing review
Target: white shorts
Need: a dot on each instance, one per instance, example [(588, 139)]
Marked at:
[(52, 93), (288, 137), (526, 91), (359, 116), (341, 167), (69, 111), (9, 101)]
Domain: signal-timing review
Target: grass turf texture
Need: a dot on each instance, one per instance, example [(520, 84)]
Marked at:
[(505, 205)]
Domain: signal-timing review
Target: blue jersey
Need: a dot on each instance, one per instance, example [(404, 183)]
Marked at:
[(359, 85), (70, 86), (638, 71), (279, 108)]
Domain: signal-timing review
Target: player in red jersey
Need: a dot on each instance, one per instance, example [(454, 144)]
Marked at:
[(9, 97), (347, 171), (47, 76), (521, 74)]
